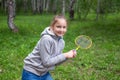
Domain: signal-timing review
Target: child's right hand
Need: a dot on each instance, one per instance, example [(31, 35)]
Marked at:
[(70, 54)]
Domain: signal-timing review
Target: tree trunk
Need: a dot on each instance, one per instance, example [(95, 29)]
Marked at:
[(11, 15), (87, 10), (47, 5), (3, 6), (98, 9), (34, 6), (71, 9), (63, 7), (44, 5), (25, 5), (55, 7), (39, 6), (78, 9)]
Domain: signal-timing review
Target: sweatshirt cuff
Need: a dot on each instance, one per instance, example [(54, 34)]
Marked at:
[(63, 57)]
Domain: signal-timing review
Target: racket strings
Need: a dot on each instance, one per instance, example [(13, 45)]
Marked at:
[(83, 42)]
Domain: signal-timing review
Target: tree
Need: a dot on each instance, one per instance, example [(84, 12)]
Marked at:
[(39, 6), (71, 9), (34, 7), (47, 5), (55, 6), (11, 15), (63, 7), (25, 5), (98, 9), (79, 7), (83, 8)]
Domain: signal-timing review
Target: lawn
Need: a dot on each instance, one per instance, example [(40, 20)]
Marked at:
[(100, 62)]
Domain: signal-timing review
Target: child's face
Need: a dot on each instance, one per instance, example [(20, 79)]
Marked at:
[(60, 27)]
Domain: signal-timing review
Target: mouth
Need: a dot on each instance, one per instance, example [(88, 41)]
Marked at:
[(60, 33)]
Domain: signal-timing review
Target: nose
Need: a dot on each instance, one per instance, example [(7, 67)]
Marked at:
[(62, 29)]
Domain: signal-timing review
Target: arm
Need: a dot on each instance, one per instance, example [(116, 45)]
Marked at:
[(46, 53), (47, 58)]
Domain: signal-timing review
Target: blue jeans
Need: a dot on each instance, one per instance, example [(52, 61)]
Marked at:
[(26, 75)]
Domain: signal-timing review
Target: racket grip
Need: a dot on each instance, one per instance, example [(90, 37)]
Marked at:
[(74, 50), (77, 48)]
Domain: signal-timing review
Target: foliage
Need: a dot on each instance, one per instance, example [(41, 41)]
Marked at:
[(82, 7), (100, 62)]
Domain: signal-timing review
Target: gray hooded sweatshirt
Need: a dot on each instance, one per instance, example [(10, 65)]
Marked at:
[(46, 54)]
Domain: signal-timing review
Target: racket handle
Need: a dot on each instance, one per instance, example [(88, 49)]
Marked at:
[(77, 48), (74, 51)]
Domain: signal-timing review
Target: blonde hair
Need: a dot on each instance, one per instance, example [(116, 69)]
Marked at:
[(55, 19)]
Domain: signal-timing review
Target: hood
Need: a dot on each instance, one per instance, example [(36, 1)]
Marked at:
[(47, 31)]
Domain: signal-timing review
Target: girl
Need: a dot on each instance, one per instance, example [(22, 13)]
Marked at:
[(48, 52)]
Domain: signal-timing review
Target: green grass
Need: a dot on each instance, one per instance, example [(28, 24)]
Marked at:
[(100, 62)]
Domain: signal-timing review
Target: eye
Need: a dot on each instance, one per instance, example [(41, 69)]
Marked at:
[(61, 26), (64, 26), (58, 26)]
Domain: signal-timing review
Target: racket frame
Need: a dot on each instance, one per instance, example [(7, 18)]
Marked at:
[(78, 46)]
